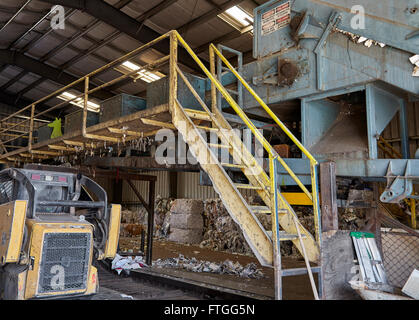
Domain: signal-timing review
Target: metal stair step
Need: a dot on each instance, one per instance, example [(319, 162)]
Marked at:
[(299, 271), (220, 146), (261, 209), (266, 209), (232, 165), (197, 114), (284, 236), (247, 186), (208, 128)]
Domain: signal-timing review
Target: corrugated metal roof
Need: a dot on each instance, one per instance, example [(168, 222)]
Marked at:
[(172, 17)]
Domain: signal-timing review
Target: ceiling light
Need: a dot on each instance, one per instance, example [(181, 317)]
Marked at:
[(144, 74), (240, 15), (79, 102)]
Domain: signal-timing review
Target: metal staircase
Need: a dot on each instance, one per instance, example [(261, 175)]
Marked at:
[(285, 224)]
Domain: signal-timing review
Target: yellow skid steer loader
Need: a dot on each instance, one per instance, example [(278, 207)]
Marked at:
[(53, 225)]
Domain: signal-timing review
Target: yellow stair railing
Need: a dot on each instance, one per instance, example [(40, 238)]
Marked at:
[(277, 200), (273, 155)]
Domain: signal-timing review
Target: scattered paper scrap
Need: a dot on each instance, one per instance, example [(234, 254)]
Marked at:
[(415, 60), (120, 263), (227, 267)]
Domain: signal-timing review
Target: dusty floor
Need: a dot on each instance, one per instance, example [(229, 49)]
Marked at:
[(294, 288)]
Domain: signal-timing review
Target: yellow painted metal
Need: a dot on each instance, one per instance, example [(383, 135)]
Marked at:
[(101, 138), (313, 162), (208, 128), (12, 223), (254, 171), (61, 148), (31, 155), (173, 74), (261, 186), (234, 202), (50, 153), (244, 117), (315, 198), (213, 87), (287, 223), (297, 198), (247, 186), (276, 248), (113, 234), (131, 135), (195, 114), (21, 285), (74, 143), (264, 105), (36, 230), (157, 123), (85, 104), (31, 127), (413, 212), (92, 282), (220, 146), (383, 144), (229, 99)]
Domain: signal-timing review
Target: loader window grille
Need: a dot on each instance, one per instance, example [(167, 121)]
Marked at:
[(64, 255)]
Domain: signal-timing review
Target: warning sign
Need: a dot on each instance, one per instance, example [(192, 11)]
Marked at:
[(276, 18)]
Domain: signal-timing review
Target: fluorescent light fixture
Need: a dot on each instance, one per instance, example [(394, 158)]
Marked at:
[(144, 74), (79, 102), (238, 18), (240, 15)]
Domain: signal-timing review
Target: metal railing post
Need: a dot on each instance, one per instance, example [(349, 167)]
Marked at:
[(173, 72), (275, 229), (31, 127), (86, 100), (213, 88), (315, 196)]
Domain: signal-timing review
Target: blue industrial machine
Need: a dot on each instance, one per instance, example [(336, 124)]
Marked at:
[(318, 51)]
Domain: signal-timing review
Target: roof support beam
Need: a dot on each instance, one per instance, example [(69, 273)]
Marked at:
[(10, 100), (126, 24), (32, 65), (156, 9), (209, 15)]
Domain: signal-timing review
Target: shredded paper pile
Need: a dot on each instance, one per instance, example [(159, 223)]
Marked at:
[(226, 267)]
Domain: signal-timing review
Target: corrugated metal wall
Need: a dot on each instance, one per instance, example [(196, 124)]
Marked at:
[(187, 187), (162, 187), (392, 132)]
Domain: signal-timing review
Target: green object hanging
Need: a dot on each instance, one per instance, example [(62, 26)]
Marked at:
[(56, 128)]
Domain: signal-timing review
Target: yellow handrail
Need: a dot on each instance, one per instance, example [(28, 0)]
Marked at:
[(244, 117), (264, 106), (267, 146)]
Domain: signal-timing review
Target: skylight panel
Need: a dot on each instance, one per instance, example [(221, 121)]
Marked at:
[(79, 102), (143, 74), (240, 15)]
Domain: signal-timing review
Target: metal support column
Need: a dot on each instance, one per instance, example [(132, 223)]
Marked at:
[(328, 196), (404, 130)]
